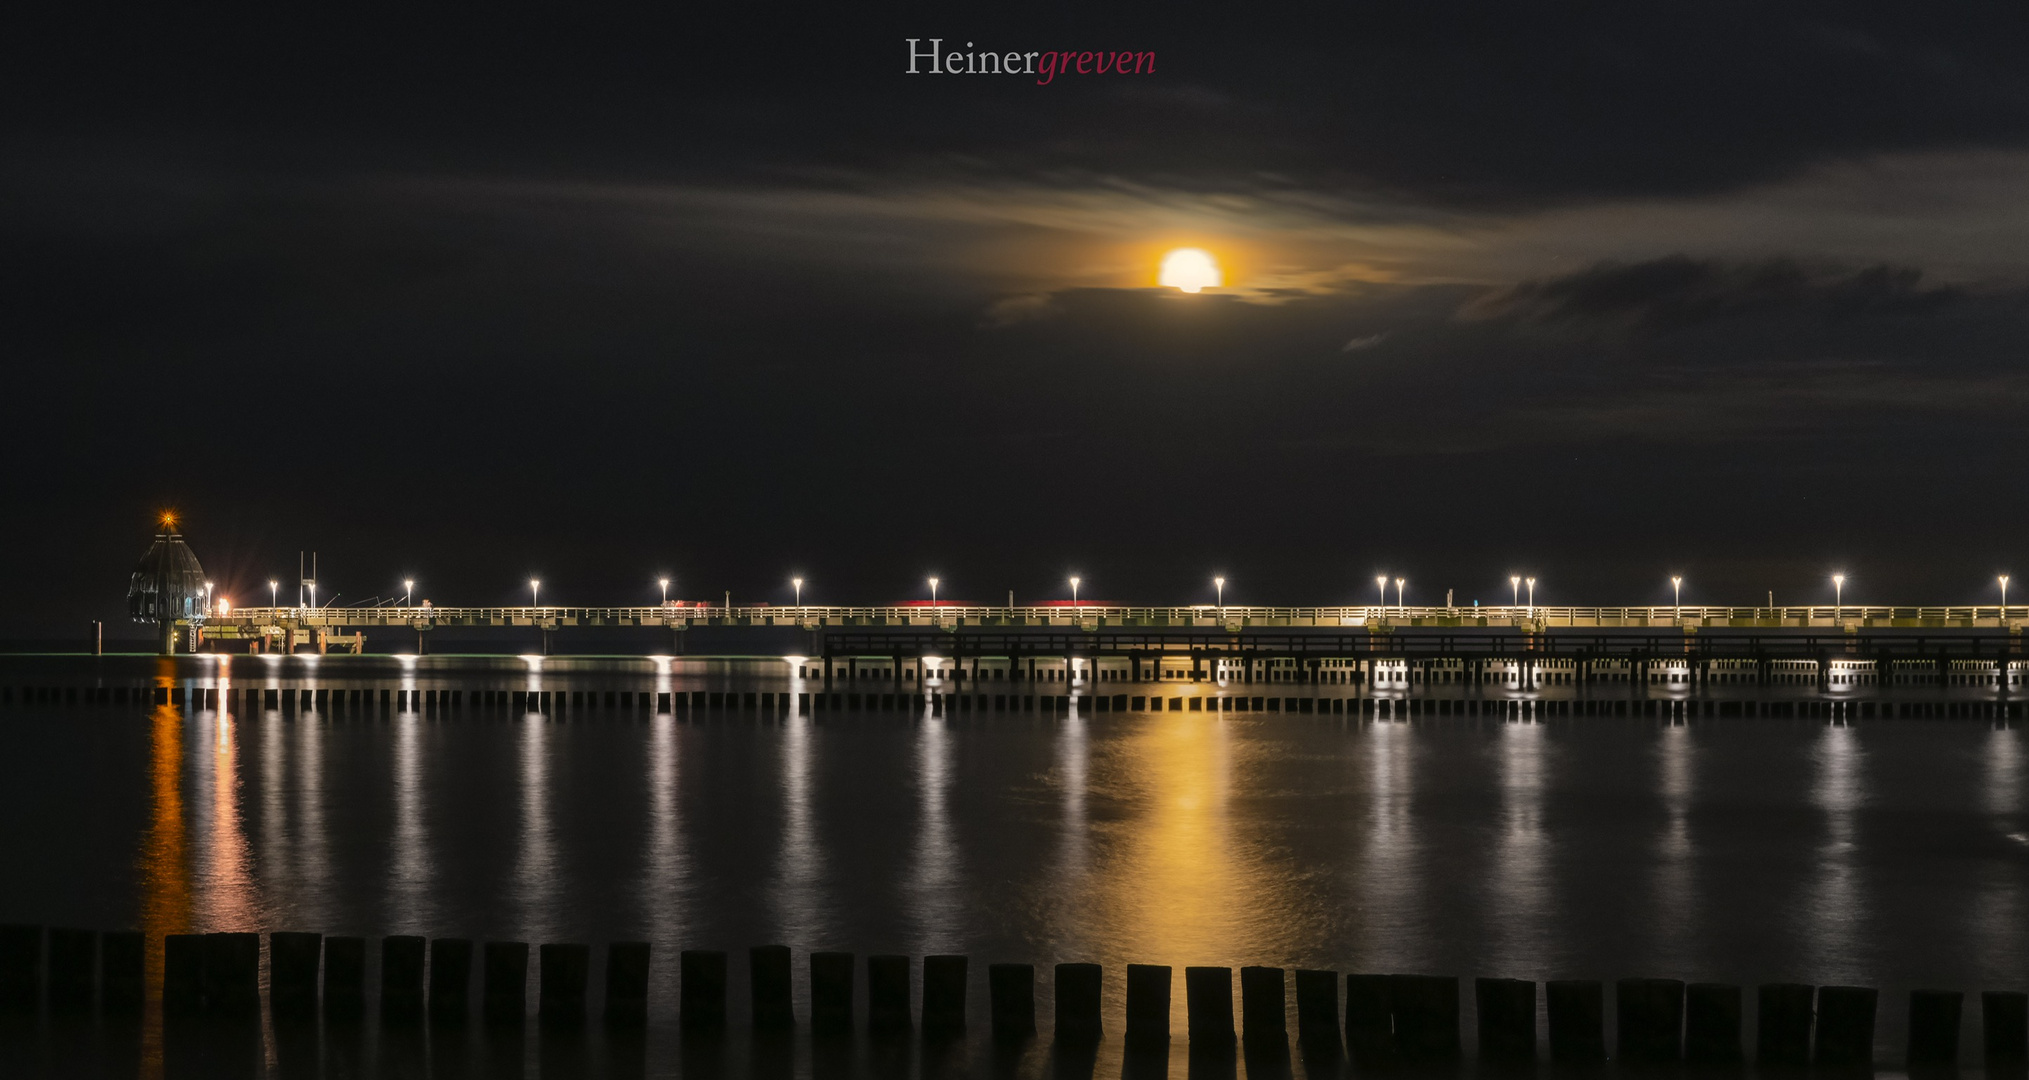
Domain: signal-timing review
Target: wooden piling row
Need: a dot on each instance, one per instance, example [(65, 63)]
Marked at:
[(1387, 1020), (385, 700)]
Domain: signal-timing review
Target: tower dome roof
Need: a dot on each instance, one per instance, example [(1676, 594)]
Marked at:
[(168, 583)]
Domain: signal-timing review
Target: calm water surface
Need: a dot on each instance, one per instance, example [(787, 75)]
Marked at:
[(1886, 853)]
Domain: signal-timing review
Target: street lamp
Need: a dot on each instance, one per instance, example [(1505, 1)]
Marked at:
[(408, 591), (274, 600), (207, 597), (933, 592), (1074, 590), (1532, 597), (1398, 593), (1381, 581), (1515, 590), (2004, 596), (797, 584), (1219, 588), (664, 582), (1838, 596), (534, 589), (1677, 583)]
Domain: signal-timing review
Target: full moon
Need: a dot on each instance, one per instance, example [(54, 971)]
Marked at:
[(1188, 269)]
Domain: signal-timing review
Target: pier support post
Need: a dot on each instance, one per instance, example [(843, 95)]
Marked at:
[(1846, 1026), (1783, 1023), (1317, 1010), (888, 994), (1264, 1014), (21, 968), (401, 978), (1577, 1021), (702, 983), (504, 976), (1507, 1020), (1078, 995), (2004, 1029), (182, 973), (1147, 1005), (1649, 1017), (831, 993), (566, 971), (1011, 994), (1426, 1017), (1370, 1010), (1934, 1028), (122, 962), (768, 967), (627, 983), (292, 973), (450, 980), (943, 996), (1208, 1006), (1712, 1024), (73, 958), (344, 977)]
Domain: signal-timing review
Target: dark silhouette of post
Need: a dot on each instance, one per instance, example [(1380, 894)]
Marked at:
[(627, 984), (768, 969), (831, 978), (701, 975), (294, 958), (1011, 994), (1148, 988), (1783, 1020), (450, 980), (1078, 994), (1577, 1009), (1846, 1027)]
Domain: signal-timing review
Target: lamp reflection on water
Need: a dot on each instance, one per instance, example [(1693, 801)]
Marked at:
[(936, 869), (1998, 914), (1521, 856), (665, 872), (1388, 871), (800, 867), (1837, 916), (1674, 871)]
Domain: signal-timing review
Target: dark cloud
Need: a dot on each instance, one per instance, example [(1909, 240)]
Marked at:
[(1677, 292)]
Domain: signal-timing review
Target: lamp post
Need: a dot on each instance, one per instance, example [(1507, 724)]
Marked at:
[(1677, 583), (664, 583), (1398, 593), (1515, 590), (1531, 582), (797, 584), (2004, 598), (1074, 590), (933, 592), (408, 592), (1838, 596), (274, 598), (534, 590), (1381, 582), (1219, 590)]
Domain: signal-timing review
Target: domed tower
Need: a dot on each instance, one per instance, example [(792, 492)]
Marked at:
[(168, 584)]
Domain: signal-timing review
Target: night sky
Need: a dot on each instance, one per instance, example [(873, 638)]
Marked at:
[(1734, 292)]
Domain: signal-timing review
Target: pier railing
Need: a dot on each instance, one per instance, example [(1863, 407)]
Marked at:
[(253, 621)]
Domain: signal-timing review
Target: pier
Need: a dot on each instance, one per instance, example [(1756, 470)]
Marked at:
[(1298, 629)]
